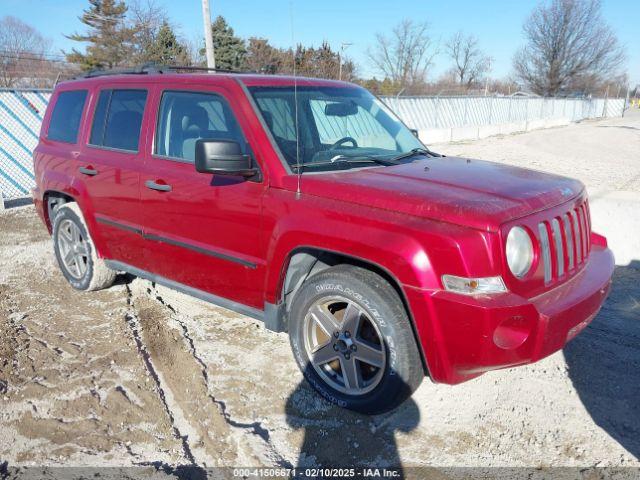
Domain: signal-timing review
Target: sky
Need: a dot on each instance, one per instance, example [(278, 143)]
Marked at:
[(496, 23)]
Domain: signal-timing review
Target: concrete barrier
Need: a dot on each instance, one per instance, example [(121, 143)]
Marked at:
[(616, 215), (464, 133), (435, 135), (431, 136), (489, 130), (513, 127), (546, 123), (557, 122), (536, 124)]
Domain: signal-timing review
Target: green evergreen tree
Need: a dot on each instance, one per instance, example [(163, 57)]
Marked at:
[(229, 50), (109, 37), (261, 57), (165, 49)]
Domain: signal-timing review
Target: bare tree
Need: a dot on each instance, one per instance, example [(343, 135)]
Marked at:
[(470, 64), (23, 52), (405, 56), (146, 18), (569, 45), (155, 39)]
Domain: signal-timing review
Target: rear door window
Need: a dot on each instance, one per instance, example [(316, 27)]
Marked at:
[(118, 119), (66, 116), (186, 117)]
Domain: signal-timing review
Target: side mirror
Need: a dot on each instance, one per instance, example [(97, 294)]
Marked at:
[(223, 157), (415, 132)]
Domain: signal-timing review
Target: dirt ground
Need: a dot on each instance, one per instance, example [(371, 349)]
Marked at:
[(141, 375)]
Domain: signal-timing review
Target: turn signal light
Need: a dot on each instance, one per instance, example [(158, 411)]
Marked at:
[(473, 286)]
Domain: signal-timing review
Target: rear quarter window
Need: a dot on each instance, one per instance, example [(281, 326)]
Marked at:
[(66, 116)]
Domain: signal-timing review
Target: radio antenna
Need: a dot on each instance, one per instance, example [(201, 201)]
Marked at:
[(295, 100)]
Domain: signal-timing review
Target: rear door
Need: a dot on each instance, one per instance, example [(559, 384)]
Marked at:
[(202, 230), (109, 166)]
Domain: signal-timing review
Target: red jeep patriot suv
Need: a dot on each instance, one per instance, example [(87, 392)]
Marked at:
[(308, 204)]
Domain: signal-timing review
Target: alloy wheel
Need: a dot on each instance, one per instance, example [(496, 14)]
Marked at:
[(73, 248), (344, 345)]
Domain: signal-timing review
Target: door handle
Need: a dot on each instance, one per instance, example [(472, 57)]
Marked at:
[(88, 171), (162, 187)]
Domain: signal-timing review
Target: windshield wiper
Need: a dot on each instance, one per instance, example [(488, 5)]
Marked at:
[(414, 152), (362, 158), (344, 159)]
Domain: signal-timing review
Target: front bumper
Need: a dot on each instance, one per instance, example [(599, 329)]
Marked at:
[(463, 337)]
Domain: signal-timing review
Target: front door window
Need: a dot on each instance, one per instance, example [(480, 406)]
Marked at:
[(186, 117)]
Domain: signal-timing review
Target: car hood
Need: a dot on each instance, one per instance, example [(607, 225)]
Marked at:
[(474, 193)]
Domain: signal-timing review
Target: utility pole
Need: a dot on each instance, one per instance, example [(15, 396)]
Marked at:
[(486, 83), (208, 34), (343, 47)]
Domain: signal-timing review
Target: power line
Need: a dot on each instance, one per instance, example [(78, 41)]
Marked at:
[(27, 53), (16, 60)]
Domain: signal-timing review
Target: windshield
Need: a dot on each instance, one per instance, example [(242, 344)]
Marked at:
[(338, 127)]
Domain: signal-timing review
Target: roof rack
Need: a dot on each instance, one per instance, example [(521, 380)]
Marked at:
[(152, 68), (137, 70), (204, 69)]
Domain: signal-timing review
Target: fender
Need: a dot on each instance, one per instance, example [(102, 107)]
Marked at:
[(389, 262), (56, 181), (414, 251), (53, 181), (411, 269)]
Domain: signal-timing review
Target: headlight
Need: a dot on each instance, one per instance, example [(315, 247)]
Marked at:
[(519, 251)]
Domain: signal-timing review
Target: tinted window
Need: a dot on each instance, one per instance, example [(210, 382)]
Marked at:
[(66, 116), (186, 117), (118, 119), (278, 116), (99, 117)]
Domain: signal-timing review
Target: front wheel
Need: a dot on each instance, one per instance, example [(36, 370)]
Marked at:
[(352, 339)]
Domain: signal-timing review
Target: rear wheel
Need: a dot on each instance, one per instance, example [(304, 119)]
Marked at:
[(76, 253), (352, 339)]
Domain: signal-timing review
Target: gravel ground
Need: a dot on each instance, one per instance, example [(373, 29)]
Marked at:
[(142, 375)]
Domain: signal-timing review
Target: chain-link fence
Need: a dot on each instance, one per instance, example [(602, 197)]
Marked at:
[(21, 113), (424, 113)]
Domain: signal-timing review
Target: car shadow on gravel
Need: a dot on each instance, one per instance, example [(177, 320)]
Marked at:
[(124, 279), (604, 361), (335, 437)]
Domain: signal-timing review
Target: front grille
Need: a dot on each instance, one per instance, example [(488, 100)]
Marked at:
[(565, 242)]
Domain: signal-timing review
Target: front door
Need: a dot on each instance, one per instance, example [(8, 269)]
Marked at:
[(201, 230)]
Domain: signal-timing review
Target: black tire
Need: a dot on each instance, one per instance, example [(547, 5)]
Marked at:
[(380, 303), (95, 274)]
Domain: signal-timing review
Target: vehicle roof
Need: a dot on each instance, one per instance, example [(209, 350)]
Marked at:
[(248, 79)]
